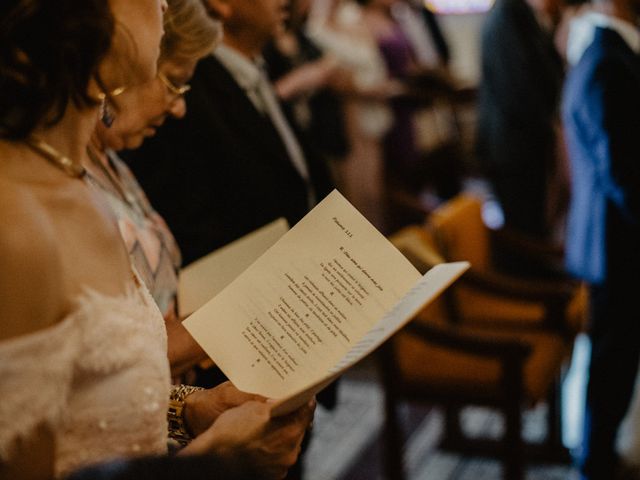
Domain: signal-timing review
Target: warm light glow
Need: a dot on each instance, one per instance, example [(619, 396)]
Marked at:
[(458, 6)]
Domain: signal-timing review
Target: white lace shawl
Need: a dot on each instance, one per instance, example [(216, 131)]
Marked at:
[(99, 379)]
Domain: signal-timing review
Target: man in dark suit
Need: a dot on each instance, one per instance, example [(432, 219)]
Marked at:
[(601, 116), (233, 163), (518, 102)]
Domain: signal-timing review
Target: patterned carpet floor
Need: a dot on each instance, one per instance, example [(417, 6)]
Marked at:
[(346, 443)]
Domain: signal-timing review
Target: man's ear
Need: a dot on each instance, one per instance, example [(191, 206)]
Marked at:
[(220, 9)]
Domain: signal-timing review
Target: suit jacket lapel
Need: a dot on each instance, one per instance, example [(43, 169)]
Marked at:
[(239, 111)]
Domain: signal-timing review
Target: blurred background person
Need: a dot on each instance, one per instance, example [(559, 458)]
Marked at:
[(424, 32), (600, 103), (234, 163), (302, 75), (420, 77), (519, 140), (337, 27)]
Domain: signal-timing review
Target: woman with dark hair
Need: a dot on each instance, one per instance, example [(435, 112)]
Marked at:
[(72, 307), (83, 345)]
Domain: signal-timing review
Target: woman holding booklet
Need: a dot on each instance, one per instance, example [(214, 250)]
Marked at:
[(83, 347)]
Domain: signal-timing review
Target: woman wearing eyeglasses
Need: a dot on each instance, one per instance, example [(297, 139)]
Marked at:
[(132, 116)]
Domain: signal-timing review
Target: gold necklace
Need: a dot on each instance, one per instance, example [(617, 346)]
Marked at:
[(55, 157)]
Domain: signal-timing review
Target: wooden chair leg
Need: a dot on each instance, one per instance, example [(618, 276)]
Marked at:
[(513, 444), (393, 441), (513, 452), (452, 430), (555, 451), (554, 421)]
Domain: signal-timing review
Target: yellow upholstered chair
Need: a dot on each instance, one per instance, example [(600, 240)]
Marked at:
[(437, 359), (489, 296)]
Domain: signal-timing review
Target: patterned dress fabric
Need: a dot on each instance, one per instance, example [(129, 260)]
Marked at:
[(151, 246)]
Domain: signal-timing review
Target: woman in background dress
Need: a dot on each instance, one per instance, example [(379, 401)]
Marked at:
[(337, 27)]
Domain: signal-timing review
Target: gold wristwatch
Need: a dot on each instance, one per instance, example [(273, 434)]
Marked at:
[(177, 428)]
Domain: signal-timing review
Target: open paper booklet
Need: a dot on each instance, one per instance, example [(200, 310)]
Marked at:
[(324, 296), (203, 279)]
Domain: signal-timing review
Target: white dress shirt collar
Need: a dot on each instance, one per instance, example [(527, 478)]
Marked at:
[(582, 30), (245, 72)]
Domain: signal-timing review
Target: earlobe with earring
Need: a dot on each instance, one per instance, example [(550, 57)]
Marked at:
[(107, 115)]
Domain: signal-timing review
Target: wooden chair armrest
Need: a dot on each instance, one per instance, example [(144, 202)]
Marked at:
[(509, 238), (452, 338), (420, 262), (518, 288), (465, 95), (408, 200), (413, 242), (510, 353), (554, 295), (438, 83), (527, 256)]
